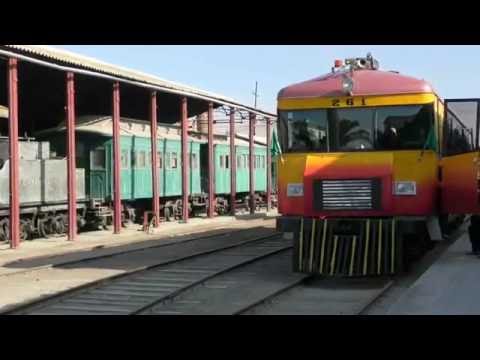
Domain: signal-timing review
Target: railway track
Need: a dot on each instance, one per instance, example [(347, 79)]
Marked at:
[(249, 278), (268, 287), (137, 291)]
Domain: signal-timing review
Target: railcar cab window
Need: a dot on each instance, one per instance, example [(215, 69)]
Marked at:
[(404, 127), (306, 130)]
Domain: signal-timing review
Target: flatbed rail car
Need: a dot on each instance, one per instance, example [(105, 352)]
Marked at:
[(375, 167), (94, 149)]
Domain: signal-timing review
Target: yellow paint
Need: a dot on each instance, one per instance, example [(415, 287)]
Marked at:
[(407, 165), (324, 238), (365, 256), (334, 254), (300, 250), (379, 246), (312, 244), (352, 258), (392, 259), (291, 170), (358, 101)]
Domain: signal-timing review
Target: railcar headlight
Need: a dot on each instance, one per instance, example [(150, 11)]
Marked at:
[(405, 188), (294, 190)]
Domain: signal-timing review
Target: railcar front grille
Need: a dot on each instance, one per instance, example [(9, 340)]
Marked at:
[(351, 194)]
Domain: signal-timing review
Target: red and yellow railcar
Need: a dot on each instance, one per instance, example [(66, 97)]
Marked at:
[(373, 165)]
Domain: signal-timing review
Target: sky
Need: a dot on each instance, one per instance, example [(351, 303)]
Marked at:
[(232, 70)]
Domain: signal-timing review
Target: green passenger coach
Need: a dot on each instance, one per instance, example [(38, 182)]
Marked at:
[(95, 155)]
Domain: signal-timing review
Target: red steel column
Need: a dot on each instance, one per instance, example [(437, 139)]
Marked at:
[(211, 168), (117, 204), (233, 163), (269, 164), (71, 166), (185, 171), (153, 126), (251, 167), (13, 147)]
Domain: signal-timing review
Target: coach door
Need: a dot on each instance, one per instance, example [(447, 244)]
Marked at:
[(460, 173)]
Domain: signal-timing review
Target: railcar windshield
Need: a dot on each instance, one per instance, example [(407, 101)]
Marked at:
[(406, 127)]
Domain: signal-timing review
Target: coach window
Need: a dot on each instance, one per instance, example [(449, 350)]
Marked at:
[(148, 160), (159, 159), (97, 159), (173, 160), (221, 161), (167, 161), (125, 159), (239, 161), (140, 162), (194, 161), (227, 161)]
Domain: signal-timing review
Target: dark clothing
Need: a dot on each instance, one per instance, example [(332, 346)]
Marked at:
[(474, 233)]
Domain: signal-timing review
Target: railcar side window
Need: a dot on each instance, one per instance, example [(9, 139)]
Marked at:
[(458, 139), (97, 159), (125, 159), (239, 161), (263, 161), (221, 162), (227, 161)]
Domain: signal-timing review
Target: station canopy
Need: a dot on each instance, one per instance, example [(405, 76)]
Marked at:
[(41, 80)]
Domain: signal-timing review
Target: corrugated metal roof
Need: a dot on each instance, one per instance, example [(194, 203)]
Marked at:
[(3, 112), (88, 63)]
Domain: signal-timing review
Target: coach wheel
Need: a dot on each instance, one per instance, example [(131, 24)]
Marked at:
[(167, 212), (58, 225), (44, 227), (178, 209), (4, 230), (25, 230)]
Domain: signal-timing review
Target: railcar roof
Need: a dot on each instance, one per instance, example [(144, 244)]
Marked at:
[(366, 82), (102, 125)]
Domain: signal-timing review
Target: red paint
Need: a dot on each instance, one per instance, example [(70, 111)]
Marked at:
[(366, 82), (424, 203), (71, 157), (233, 163), (184, 140), (211, 168), (117, 204), (269, 165), (13, 147), (153, 138), (251, 155), (333, 172)]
